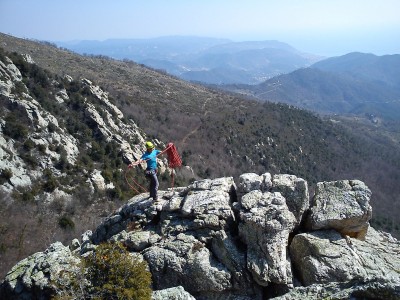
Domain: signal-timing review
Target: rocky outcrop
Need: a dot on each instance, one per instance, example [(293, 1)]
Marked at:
[(326, 256), (265, 226), (175, 293), (41, 274), (343, 206), (371, 289), (218, 240)]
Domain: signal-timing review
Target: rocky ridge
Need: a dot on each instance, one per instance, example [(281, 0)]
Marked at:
[(256, 239)]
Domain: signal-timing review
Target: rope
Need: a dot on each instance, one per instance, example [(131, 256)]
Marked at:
[(174, 161), (133, 180)]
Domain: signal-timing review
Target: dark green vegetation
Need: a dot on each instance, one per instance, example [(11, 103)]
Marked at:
[(114, 274), (111, 272), (218, 134)]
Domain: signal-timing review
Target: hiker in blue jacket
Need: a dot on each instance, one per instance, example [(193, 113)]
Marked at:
[(150, 156)]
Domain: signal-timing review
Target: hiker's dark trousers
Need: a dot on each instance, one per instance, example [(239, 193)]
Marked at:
[(152, 176)]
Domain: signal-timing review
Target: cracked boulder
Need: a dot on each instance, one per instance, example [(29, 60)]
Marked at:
[(341, 205)]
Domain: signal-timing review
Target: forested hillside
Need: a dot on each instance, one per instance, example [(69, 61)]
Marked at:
[(218, 134)]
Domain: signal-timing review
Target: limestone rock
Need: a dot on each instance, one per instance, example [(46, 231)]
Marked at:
[(28, 58), (225, 248), (326, 256), (174, 293), (343, 206), (173, 260), (103, 97), (14, 164), (376, 289), (250, 181), (99, 181), (37, 276), (295, 191), (205, 242), (265, 224), (61, 96)]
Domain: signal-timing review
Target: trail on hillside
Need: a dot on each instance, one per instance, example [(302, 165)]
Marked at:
[(205, 112)]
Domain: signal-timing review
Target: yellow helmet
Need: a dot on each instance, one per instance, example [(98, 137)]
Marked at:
[(149, 145)]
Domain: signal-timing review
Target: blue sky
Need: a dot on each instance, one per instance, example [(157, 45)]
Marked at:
[(324, 27)]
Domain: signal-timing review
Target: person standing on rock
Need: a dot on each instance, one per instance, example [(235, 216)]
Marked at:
[(150, 157)]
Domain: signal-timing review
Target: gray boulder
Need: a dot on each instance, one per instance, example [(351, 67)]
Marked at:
[(251, 181), (40, 275), (343, 206), (376, 289), (174, 260), (174, 293), (326, 256), (265, 224), (295, 191)]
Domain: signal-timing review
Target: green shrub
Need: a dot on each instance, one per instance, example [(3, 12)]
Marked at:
[(27, 196), (19, 88), (51, 127), (29, 144), (29, 160), (7, 174), (51, 184), (15, 130), (115, 274), (65, 222), (42, 148)]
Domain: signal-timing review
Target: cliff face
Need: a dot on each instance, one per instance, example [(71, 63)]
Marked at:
[(256, 239)]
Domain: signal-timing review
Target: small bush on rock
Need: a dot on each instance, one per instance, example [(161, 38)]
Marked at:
[(66, 222), (115, 274), (6, 174)]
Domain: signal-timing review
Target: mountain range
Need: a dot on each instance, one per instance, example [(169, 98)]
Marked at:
[(356, 83), (207, 60)]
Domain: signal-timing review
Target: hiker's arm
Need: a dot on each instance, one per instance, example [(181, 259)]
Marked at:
[(135, 163)]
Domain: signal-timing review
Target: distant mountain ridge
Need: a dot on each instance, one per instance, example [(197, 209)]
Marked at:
[(384, 69), (207, 60), (141, 49), (355, 83)]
